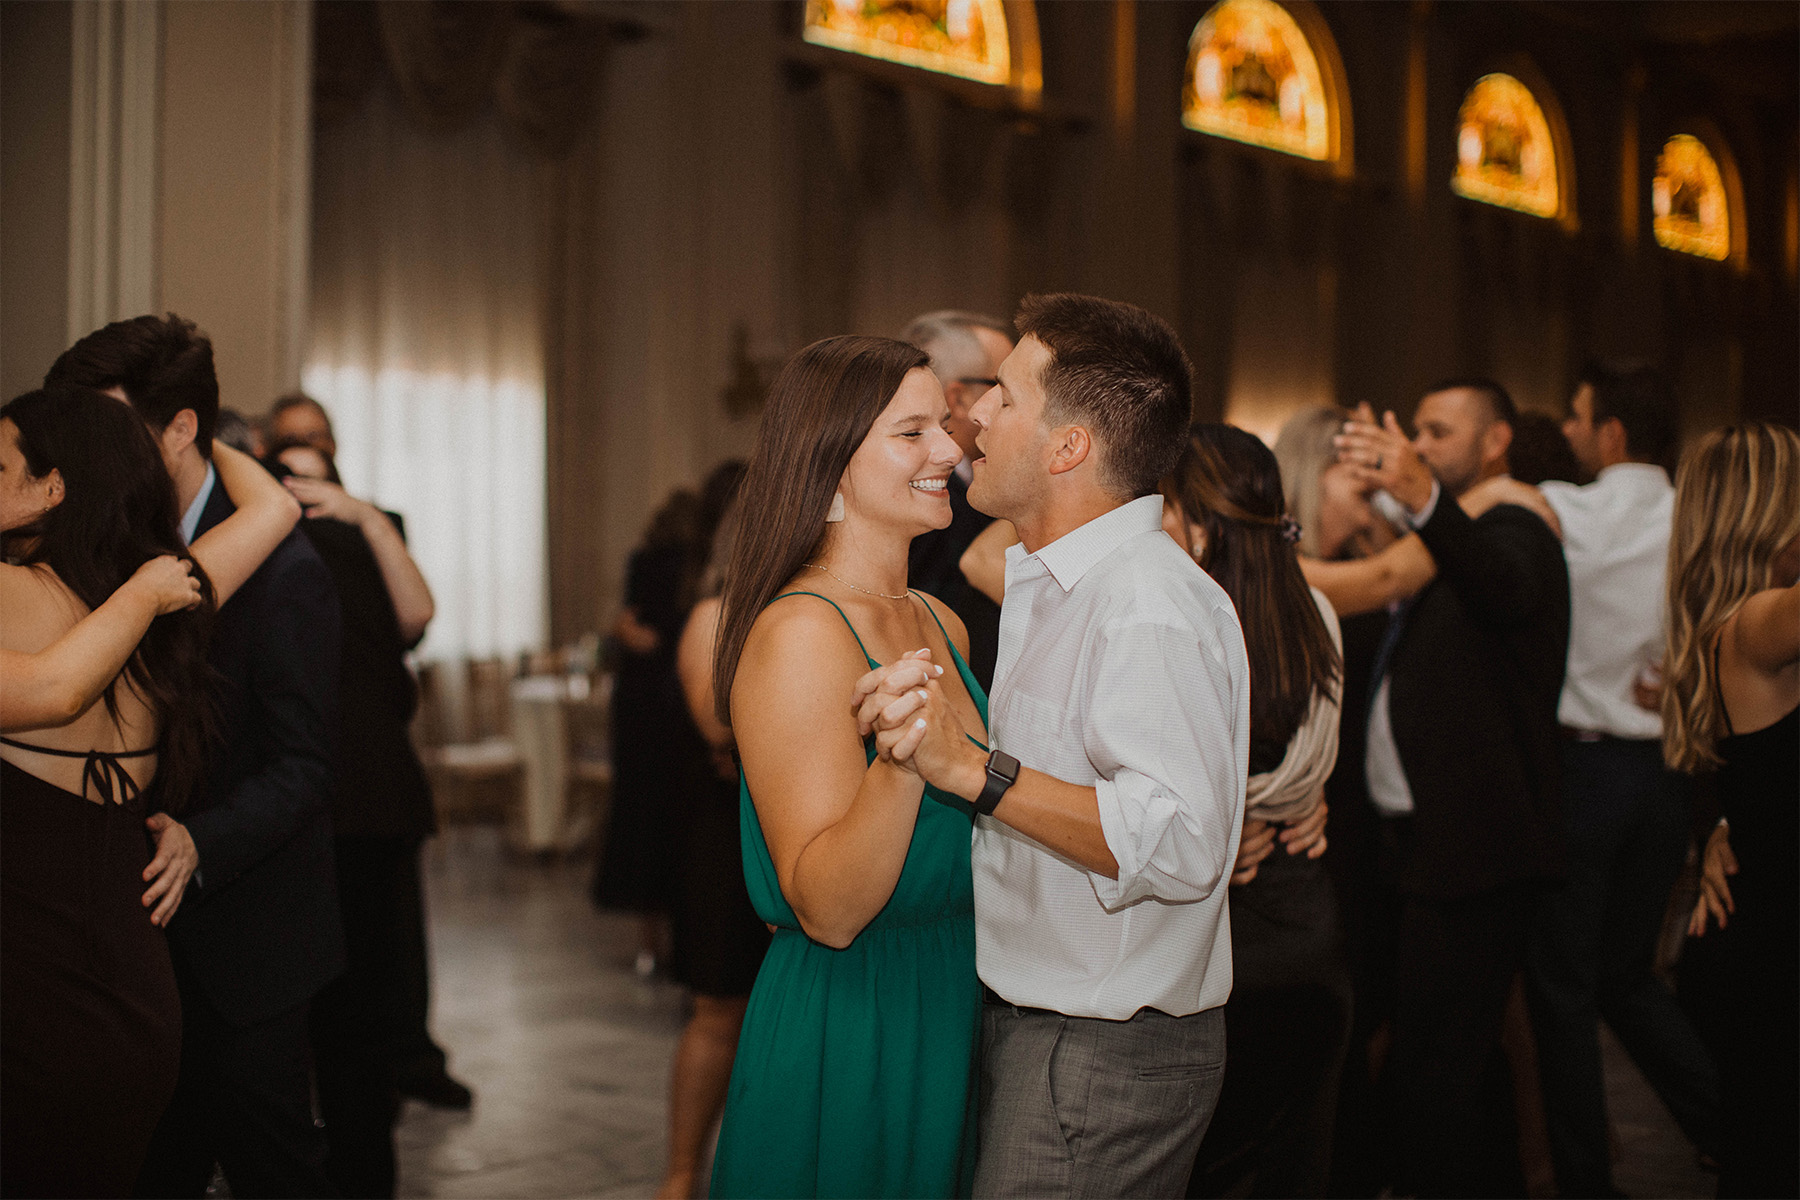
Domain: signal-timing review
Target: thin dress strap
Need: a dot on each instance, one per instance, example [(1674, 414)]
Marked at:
[(840, 612), (1719, 688), (102, 769), (934, 617)]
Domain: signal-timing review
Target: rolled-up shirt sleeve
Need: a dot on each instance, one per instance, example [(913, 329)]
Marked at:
[(1168, 736)]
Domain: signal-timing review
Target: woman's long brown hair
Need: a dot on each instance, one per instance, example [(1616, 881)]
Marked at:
[(1228, 484), (821, 407)]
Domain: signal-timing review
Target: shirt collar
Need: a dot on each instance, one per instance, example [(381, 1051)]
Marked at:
[(190, 520), (1647, 470), (1071, 556)]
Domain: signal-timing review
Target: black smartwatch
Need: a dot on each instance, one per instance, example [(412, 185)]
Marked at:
[(1002, 773)]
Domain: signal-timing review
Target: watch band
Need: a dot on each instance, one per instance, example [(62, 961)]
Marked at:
[(1002, 773)]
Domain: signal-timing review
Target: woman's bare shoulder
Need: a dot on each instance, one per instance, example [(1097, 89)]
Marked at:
[(801, 634), (38, 607), (795, 676)]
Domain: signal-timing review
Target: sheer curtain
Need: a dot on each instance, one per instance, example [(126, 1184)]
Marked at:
[(427, 350)]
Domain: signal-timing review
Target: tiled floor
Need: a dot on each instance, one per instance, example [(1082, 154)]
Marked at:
[(568, 1052)]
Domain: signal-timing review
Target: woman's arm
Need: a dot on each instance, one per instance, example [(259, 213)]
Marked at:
[(1368, 584), (837, 826), (693, 665), (59, 682), (231, 551), (984, 562), (1406, 566), (1504, 489), (406, 587)]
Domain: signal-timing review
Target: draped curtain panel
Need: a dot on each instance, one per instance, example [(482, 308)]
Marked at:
[(427, 348)]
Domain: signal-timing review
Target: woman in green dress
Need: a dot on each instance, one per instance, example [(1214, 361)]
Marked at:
[(855, 1071)]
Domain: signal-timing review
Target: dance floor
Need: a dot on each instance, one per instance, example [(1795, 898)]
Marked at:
[(568, 1051)]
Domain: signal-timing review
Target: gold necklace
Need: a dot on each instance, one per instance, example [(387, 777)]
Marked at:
[(853, 587)]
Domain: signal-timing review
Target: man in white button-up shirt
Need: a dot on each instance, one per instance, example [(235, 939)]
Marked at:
[(1593, 943), (1122, 692)]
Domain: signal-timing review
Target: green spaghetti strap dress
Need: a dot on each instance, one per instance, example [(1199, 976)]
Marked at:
[(856, 1068)]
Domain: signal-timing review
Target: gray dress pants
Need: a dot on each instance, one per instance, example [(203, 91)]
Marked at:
[(1077, 1107)]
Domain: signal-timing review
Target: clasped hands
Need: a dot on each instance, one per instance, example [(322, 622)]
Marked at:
[(1382, 458), (915, 725)]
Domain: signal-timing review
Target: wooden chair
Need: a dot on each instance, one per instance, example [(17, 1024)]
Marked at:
[(462, 731), (588, 729)]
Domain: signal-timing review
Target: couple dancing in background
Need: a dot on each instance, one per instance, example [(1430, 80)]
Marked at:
[(1109, 777), (104, 657)]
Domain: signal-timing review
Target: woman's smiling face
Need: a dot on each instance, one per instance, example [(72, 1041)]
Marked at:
[(900, 474)]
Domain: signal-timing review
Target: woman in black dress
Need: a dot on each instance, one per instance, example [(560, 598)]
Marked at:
[(636, 865), (718, 939), (90, 1023), (1731, 703), (1288, 1020)]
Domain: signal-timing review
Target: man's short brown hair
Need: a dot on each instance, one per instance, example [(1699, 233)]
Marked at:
[(1122, 373)]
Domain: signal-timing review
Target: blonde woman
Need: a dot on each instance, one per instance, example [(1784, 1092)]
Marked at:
[(1732, 704)]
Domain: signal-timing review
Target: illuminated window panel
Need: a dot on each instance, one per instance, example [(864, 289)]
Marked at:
[(1504, 153), (953, 37), (1687, 200), (1252, 77)]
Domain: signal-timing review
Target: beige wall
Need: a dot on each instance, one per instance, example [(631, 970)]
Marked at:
[(34, 189), (235, 184), (154, 154)]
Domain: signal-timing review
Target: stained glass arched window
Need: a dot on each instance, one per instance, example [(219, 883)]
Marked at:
[(1505, 154), (1253, 76), (967, 38), (1690, 210)]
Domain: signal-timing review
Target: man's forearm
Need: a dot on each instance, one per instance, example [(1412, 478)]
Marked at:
[(1059, 816)]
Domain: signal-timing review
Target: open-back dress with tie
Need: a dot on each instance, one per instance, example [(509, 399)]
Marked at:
[(855, 1071), (90, 1022)]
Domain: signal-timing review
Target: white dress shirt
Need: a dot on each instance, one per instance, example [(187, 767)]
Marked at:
[(1616, 540), (190, 520), (1121, 667), (1389, 791)]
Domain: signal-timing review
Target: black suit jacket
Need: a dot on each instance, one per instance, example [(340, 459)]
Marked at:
[(381, 790), (259, 931), (933, 567), (1473, 687)]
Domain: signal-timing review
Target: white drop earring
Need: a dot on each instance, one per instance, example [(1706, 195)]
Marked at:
[(837, 508)]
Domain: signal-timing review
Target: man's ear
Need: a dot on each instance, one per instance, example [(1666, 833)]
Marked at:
[(1070, 446), (1496, 440), (180, 432), (53, 488), (1612, 439)]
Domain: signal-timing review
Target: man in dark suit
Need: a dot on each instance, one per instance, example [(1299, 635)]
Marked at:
[(381, 813), (1462, 761), (259, 932), (966, 350)]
